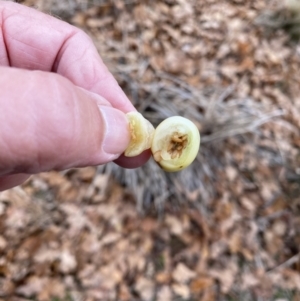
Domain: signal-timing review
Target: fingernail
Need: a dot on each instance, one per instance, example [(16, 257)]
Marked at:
[(116, 136)]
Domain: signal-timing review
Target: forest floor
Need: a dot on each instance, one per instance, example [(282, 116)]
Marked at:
[(227, 228)]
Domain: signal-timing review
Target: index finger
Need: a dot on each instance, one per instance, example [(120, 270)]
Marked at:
[(32, 40)]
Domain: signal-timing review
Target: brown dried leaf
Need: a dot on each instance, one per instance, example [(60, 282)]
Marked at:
[(200, 284), (145, 288), (181, 290), (182, 274), (164, 294)]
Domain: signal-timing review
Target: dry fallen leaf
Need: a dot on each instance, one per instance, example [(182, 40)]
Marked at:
[(164, 294), (182, 274), (200, 284), (181, 290), (145, 288)]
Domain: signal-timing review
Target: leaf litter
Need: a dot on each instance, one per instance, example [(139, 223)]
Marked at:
[(227, 228)]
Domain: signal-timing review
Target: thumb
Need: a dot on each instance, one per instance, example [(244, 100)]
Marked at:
[(48, 123)]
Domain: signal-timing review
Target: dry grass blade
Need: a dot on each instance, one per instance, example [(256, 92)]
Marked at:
[(294, 259)]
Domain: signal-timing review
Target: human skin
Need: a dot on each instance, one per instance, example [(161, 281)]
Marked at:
[(60, 107)]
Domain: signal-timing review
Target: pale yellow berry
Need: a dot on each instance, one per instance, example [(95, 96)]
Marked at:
[(176, 143), (141, 132)]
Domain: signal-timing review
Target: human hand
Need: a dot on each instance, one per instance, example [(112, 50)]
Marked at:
[(59, 105)]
